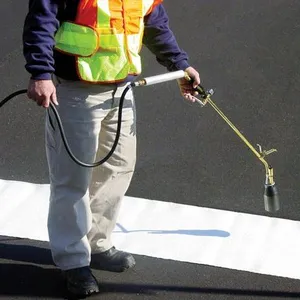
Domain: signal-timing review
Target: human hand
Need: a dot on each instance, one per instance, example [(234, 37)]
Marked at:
[(42, 92), (186, 87)]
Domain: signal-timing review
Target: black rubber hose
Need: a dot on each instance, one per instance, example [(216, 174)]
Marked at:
[(9, 97), (61, 129)]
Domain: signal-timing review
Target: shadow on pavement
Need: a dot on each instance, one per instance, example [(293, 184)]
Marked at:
[(25, 253), (194, 232), (30, 281), (129, 288), (33, 281), (37, 282)]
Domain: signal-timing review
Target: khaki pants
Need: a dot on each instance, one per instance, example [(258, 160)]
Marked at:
[(84, 202)]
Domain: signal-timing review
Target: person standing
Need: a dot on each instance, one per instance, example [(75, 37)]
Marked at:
[(81, 55)]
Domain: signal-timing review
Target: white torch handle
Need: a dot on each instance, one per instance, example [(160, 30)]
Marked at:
[(160, 78)]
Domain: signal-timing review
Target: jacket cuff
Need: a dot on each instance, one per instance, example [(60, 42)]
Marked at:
[(42, 76), (182, 65)]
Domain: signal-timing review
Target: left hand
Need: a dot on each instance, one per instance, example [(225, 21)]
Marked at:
[(186, 87)]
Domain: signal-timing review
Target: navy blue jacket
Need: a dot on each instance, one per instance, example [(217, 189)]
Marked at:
[(44, 18)]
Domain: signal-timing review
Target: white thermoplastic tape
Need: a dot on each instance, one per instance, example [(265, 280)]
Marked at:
[(179, 232)]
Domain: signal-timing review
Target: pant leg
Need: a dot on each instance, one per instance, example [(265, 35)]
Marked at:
[(82, 107), (110, 181)]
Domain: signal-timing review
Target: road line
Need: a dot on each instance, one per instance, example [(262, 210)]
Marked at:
[(166, 230)]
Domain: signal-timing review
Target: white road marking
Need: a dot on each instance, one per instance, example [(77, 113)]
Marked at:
[(179, 232)]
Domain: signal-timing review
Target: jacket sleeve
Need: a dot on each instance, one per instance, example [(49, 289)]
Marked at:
[(160, 40), (40, 26)]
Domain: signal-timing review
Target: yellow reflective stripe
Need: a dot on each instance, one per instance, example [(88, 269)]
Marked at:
[(76, 39), (103, 15)]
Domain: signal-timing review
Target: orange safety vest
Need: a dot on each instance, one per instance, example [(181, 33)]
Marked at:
[(106, 38)]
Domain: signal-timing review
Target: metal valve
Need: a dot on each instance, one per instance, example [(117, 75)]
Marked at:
[(204, 95), (265, 152)]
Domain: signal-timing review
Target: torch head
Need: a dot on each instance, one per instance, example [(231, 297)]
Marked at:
[(271, 198)]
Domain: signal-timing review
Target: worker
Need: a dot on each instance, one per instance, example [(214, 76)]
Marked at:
[(81, 55)]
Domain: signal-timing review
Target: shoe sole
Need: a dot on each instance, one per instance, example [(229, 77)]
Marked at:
[(76, 292)]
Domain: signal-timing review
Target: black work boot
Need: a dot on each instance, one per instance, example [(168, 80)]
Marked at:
[(112, 260), (80, 282)]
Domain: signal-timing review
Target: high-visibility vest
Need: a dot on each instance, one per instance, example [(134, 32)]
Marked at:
[(106, 38)]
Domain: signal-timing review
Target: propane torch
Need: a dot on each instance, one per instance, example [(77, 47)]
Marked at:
[(271, 197)]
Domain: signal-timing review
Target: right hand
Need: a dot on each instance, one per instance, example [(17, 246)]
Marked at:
[(42, 92)]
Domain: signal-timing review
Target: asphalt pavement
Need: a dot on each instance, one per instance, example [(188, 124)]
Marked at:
[(248, 52)]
